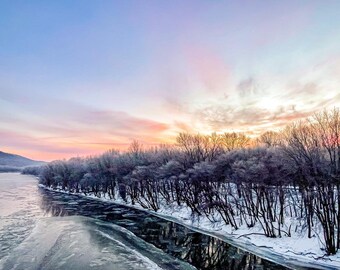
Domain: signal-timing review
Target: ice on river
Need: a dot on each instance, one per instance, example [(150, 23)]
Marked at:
[(31, 238), (19, 209), (81, 243)]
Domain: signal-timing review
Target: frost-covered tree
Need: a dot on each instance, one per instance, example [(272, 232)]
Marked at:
[(292, 178)]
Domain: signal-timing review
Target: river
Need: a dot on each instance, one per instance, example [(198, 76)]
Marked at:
[(41, 229)]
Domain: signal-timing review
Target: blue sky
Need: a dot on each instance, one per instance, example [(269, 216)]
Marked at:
[(79, 77)]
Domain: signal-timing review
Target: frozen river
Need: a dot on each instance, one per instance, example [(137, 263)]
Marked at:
[(41, 229)]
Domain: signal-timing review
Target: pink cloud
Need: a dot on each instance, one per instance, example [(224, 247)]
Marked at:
[(208, 67)]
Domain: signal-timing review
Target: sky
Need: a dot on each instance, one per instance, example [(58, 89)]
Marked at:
[(80, 77)]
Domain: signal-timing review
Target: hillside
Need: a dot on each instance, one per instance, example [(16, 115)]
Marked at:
[(12, 160)]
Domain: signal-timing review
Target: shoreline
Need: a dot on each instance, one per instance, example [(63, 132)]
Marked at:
[(260, 246)]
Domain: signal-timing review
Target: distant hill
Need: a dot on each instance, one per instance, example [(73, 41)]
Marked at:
[(11, 160)]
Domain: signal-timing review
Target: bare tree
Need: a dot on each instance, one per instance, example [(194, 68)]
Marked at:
[(232, 141), (270, 139)]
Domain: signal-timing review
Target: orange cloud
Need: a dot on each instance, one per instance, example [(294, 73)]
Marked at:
[(82, 133)]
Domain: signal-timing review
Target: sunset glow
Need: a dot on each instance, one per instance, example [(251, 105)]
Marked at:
[(80, 77)]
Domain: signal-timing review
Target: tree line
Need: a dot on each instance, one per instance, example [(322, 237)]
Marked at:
[(286, 182)]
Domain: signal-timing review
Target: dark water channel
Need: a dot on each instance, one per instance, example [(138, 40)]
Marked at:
[(201, 251)]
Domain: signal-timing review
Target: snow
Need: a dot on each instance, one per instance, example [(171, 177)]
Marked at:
[(297, 250)]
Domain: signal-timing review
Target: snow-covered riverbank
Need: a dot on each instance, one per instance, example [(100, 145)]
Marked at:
[(295, 251)]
